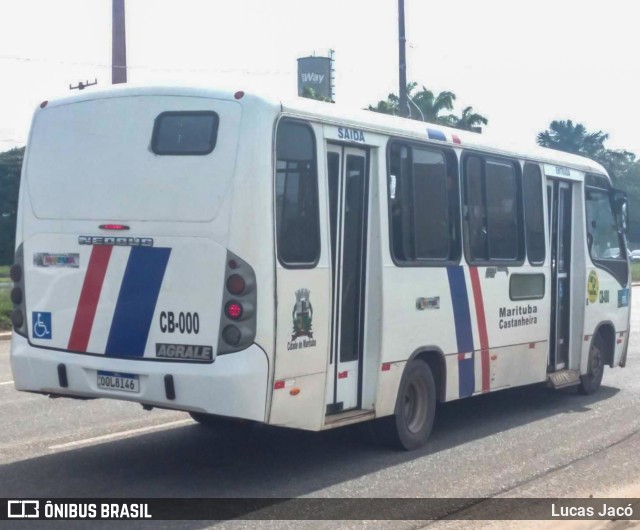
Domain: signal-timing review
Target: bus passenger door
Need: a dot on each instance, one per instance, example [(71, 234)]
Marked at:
[(347, 176), (560, 193)]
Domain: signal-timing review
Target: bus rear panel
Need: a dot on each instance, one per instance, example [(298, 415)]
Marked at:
[(130, 290)]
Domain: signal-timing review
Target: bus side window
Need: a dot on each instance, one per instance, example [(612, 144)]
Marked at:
[(476, 218), (502, 210), (395, 202), (297, 222), (493, 213), (423, 204), (534, 213)]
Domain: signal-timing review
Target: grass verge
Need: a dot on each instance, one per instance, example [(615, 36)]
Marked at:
[(635, 272), (5, 310)]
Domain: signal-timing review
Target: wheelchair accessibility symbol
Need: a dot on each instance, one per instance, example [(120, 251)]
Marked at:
[(41, 325)]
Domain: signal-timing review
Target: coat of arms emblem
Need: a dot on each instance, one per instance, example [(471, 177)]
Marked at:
[(302, 315)]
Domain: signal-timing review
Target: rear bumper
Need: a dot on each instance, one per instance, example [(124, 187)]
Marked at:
[(234, 385)]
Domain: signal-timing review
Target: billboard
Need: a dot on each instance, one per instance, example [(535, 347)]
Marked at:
[(315, 73)]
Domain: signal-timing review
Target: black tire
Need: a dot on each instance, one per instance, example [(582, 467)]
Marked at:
[(410, 426), (590, 382), (219, 422)]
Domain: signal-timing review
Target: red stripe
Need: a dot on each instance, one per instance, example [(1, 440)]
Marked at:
[(89, 296), (482, 326)]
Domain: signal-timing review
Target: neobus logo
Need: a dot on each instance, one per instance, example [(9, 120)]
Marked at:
[(116, 241)]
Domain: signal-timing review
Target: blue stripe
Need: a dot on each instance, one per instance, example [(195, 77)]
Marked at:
[(466, 377), (137, 301), (461, 315), (464, 334), (435, 134)]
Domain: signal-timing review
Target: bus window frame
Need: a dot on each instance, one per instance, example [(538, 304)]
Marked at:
[(306, 124), (545, 228), (520, 228), (213, 140), (455, 248)]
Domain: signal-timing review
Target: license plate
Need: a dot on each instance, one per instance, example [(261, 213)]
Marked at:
[(118, 381)]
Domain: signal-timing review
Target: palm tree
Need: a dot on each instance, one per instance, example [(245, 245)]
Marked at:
[(563, 135), (469, 120), (386, 106), (432, 105), (425, 105)]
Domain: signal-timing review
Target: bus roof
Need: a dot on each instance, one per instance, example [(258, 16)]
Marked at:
[(397, 126), (338, 114)]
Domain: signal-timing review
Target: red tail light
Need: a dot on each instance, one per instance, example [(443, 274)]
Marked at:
[(234, 310), (114, 227), (239, 302)]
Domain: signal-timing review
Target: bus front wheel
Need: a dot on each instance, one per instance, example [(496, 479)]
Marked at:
[(410, 426), (590, 382)]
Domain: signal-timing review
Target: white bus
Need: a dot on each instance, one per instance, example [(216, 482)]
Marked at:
[(301, 265)]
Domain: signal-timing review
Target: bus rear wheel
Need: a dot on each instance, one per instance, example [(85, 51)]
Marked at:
[(590, 382), (410, 426)]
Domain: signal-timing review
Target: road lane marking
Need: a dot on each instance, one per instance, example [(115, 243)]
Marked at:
[(116, 435), (6, 383)]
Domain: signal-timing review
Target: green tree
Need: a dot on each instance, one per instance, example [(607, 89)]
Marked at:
[(10, 168), (618, 163), (622, 165), (432, 106), (627, 178), (310, 93), (564, 135), (470, 120), (387, 106), (426, 105)]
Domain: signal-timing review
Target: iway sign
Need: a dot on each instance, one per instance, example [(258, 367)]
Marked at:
[(315, 73), (312, 78)]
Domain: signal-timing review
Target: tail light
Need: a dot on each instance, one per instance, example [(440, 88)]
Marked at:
[(18, 319), (236, 284), (238, 319), (231, 335), (234, 310), (16, 295)]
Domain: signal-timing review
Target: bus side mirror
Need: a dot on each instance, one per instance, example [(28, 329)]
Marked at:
[(620, 203)]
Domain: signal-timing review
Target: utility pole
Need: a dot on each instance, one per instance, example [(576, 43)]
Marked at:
[(402, 41), (118, 44)]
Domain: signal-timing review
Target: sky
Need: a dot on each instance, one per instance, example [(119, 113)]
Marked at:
[(520, 63)]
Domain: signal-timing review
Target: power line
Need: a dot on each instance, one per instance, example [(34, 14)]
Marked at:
[(144, 67)]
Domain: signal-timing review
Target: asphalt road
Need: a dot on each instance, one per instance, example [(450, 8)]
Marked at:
[(522, 442)]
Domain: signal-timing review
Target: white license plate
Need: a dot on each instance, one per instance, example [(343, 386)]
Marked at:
[(118, 381)]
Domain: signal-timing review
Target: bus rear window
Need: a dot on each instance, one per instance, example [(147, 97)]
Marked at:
[(185, 133)]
